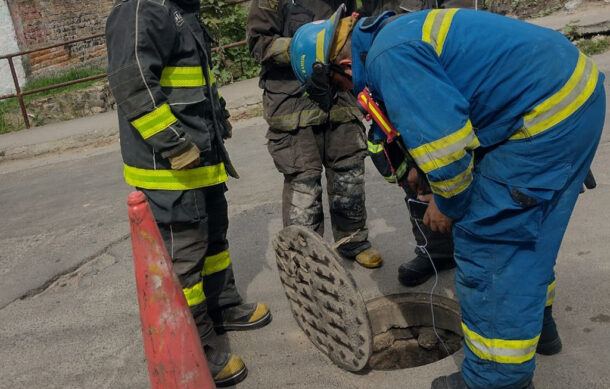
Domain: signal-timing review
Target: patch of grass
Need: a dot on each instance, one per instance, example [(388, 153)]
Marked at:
[(548, 11), (595, 45), (11, 106)]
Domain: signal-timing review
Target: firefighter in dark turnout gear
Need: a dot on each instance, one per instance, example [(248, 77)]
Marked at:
[(172, 124), (304, 138)]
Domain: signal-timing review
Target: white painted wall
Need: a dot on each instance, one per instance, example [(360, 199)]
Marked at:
[(8, 44)]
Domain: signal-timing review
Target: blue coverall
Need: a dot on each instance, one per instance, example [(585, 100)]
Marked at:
[(504, 117)]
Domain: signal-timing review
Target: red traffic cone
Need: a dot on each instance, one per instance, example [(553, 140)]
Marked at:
[(171, 342)]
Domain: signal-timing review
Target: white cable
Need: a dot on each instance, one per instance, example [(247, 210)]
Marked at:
[(425, 250)]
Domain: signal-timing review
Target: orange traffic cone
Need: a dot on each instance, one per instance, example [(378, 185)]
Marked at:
[(171, 342)]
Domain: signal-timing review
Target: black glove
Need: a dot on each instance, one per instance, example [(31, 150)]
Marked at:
[(319, 87)]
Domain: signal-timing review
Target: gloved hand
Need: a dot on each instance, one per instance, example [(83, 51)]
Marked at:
[(187, 159), (228, 130), (319, 87)]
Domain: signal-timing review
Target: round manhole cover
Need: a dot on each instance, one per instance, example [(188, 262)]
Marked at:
[(324, 298)]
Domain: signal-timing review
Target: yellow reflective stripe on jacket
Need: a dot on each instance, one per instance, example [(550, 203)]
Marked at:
[(550, 294), (564, 103), (155, 121), (175, 179), (453, 186), (184, 76), (444, 151), (436, 26), (500, 350), (374, 148), (194, 295), (215, 263)]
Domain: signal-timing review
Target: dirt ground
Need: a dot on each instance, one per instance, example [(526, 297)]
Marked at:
[(525, 9)]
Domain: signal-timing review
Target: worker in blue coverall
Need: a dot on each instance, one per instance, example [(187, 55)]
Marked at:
[(519, 114)]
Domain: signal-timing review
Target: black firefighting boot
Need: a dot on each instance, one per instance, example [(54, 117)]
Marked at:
[(549, 342), (227, 369), (241, 317), (418, 270), (455, 381)]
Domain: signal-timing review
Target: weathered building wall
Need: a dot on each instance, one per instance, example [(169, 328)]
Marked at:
[(8, 45), (39, 23)]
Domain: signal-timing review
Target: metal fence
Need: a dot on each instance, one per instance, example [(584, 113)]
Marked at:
[(19, 93)]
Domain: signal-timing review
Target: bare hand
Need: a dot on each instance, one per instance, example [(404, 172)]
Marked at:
[(415, 183), (434, 218)]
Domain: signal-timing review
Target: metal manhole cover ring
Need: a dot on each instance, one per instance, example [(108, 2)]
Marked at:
[(324, 298)]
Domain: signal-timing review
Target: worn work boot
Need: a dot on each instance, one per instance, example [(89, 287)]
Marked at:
[(369, 258), (549, 342), (418, 270), (227, 369), (455, 381), (241, 317)]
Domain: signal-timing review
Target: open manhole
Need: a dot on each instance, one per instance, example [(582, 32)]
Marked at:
[(403, 332), (390, 332)]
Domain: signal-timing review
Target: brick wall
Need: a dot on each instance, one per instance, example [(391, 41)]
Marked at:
[(39, 23)]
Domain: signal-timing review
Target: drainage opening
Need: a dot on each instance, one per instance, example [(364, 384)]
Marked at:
[(403, 333)]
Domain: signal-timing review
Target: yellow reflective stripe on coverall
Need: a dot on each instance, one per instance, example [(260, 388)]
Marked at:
[(575, 92), (500, 350), (444, 151)]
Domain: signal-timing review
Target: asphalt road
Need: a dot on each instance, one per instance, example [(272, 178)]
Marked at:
[(68, 306)]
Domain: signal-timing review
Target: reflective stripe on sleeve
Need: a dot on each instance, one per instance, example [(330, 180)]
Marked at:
[(374, 148), (564, 103), (175, 179), (436, 26), (194, 295), (215, 263), (401, 170), (444, 151), (550, 294), (500, 350), (453, 186), (184, 76), (155, 121)]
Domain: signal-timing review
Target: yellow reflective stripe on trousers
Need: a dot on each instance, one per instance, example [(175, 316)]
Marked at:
[(175, 179), (155, 121), (444, 151), (374, 148), (550, 294), (194, 295), (453, 186), (562, 104), (436, 26), (215, 263), (184, 76), (500, 350)]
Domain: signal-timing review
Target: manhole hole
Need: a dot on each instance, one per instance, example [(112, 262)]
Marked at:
[(390, 332), (403, 332)]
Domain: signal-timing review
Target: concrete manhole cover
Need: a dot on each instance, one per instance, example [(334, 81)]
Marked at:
[(324, 298)]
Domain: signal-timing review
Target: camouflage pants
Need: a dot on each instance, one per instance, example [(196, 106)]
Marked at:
[(302, 155)]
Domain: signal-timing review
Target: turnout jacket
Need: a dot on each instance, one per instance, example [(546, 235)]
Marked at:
[(159, 73), (271, 25), (459, 81)]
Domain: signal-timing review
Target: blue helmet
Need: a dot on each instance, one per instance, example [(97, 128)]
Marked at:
[(312, 43)]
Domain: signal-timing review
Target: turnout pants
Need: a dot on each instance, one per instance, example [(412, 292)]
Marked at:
[(200, 253), (506, 246), (301, 155)]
